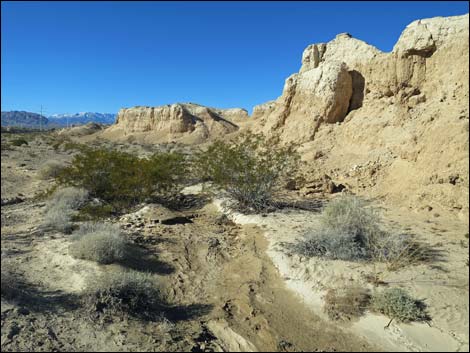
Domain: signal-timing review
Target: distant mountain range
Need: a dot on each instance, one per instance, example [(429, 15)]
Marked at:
[(81, 118), (34, 120), (23, 119)]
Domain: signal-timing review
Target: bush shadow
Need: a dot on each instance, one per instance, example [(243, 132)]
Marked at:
[(187, 312), (140, 259)]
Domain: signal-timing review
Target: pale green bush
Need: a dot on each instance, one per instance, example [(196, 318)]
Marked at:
[(129, 293), (99, 242), (50, 169), (397, 304)]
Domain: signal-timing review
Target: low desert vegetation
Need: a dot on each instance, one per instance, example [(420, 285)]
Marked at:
[(19, 141), (398, 305), (351, 231), (346, 303), (9, 283), (99, 242), (50, 169), (68, 198), (62, 206), (124, 293), (94, 212), (352, 302), (122, 179), (251, 169)]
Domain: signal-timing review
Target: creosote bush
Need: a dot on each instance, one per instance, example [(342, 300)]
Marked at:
[(122, 179), (346, 303), (99, 242), (397, 304), (124, 293), (94, 212), (351, 231), (251, 170)]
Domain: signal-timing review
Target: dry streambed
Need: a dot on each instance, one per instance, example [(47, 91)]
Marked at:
[(442, 283), (223, 291), (230, 285)]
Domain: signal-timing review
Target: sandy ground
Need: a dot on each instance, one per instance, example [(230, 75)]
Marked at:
[(442, 283), (224, 292)]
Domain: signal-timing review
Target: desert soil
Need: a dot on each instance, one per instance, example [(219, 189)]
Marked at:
[(224, 291), (442, 282)]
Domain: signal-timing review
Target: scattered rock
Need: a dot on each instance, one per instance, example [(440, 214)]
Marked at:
[(11, 201)]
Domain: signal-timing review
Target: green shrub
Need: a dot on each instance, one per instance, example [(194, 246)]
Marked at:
[(129, 293), (99, 242), (251, 169), (18, 142), (91, 212), (122, 179), (73, 146), (399, 305), (346, 303), (51, 169)]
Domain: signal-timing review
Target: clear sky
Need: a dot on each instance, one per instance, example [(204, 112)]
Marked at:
[(101, 56)]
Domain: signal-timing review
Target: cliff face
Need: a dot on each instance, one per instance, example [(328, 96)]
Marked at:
[(187, 122), (392, 125), (346, 73)]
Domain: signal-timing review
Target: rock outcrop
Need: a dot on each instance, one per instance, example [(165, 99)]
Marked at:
[(337, 77), (392, 125), (322, 94), (185, 122), (234, 115)]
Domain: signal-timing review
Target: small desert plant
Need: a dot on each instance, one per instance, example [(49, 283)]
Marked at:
[(9, 283), (397, 304), (124, 293), (18, 141), (59, 219), (99, 242), (6, 146), (330, 244), (397, 250), (93, 227), (251, 169), (346, 303), (68, 198), (50, 169), (351, 231), (351, 215), (62, 206)]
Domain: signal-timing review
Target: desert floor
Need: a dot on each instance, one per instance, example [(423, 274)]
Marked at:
[(231, 284)]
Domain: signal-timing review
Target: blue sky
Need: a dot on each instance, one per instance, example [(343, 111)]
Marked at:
[(101, 56)]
